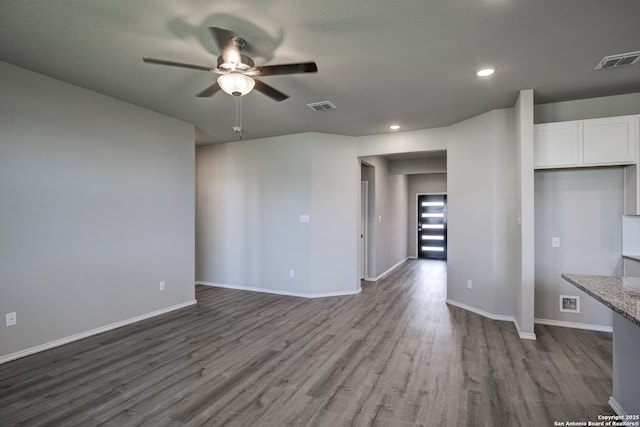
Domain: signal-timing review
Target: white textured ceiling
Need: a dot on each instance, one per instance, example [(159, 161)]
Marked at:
[(408, 61)]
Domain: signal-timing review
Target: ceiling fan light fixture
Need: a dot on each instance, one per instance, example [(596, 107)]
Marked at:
[(236, 84), (485, 71)]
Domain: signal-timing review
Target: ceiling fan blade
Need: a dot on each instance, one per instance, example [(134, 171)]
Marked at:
[(176, 64), (270, 91), (301, 67), (209, 91), (222, 37)]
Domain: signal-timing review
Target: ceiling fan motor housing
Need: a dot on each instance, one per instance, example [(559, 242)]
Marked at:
[(226, 62)]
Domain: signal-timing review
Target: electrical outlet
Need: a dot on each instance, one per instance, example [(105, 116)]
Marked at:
[(555, 242), (292, 274), (162, 285), (469, 284), (11, 319)]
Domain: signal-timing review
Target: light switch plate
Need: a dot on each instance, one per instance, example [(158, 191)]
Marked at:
[(555, 242), (11, 319)]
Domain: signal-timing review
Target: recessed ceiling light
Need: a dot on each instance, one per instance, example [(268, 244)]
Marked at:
[(486, 71), (394, 127)]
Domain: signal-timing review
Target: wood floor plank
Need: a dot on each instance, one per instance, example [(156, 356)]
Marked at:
[(394, 355)]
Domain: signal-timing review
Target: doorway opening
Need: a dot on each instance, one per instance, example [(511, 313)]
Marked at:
[(432, 226)]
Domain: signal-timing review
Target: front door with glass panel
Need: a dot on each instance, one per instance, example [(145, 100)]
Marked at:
[(432, 226)]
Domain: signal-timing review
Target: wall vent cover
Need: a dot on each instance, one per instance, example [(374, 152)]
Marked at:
[(321, 106), (619, 60)]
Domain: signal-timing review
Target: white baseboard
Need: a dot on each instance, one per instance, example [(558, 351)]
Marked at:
[(585, 326), (412, 257), (500, 317), (480, 312), (523, 335), (96, 331), (279, 292), (389, 270), (613, 403)]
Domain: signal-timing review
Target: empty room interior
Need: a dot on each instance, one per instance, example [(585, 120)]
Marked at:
[(269, 213)]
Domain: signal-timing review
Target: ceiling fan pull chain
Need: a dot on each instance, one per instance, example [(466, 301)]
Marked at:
[(238, 127)]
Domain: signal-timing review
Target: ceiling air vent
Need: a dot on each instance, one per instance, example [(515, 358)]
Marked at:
[(321, 106), (619, 60)]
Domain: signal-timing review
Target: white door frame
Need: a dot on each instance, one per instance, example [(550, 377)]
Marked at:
[(364, 227)]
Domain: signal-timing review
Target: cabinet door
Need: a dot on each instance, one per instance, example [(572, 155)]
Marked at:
[(556, 145), (610, 140)]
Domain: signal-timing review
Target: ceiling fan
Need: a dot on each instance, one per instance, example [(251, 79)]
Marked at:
[(238, 71)]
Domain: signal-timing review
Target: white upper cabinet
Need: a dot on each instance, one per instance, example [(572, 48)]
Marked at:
[(610, 141), (556, 145), (581, 143)]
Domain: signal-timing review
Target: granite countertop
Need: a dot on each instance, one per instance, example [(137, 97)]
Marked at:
[(621, 294)]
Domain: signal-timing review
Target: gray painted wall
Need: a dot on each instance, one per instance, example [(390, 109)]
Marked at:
[(418, 166), (403, 142), (251, 195), (390, 216), (482, 230), (97, 208), (583, 207), (432, 183), (630, 267), (592, 108), (335, 210)]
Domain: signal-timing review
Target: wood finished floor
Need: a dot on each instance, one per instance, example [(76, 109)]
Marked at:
[(395, 355)]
